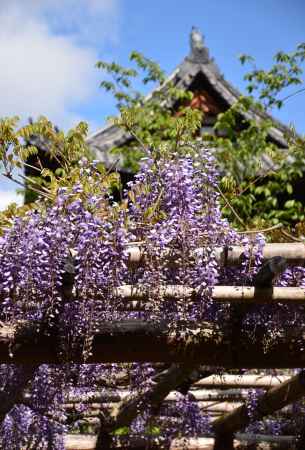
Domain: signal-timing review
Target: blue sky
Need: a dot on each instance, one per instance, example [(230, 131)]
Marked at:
[(49, 49)]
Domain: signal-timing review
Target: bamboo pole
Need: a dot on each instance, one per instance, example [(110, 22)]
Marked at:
[(215, 407), (88, 442), (228, 381), (231, 256), (198, 395), (222, 294), (223, 381), (133, 297)]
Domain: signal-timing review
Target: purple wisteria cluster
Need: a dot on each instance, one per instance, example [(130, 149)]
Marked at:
[(172, 211), (175, 212), (33, 259)]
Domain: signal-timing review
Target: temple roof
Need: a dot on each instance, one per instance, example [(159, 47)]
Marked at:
[(198, 65)]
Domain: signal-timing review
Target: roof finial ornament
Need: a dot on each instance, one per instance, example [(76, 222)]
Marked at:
[(199, 52), (196, 39)]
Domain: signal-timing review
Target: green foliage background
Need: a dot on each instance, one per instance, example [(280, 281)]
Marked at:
[(253, 195)]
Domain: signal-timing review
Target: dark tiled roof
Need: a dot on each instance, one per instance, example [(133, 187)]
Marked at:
[(196, 63)]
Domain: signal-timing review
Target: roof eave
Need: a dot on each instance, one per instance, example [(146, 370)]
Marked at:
[(111, 135)]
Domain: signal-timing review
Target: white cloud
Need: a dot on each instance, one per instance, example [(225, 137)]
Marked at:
[(47, 56), (7, 197), (87, 20)]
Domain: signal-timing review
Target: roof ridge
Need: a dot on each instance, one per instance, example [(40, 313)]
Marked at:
[(182, 76)]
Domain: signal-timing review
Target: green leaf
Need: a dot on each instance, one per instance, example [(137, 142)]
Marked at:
[(289, 188), (290, 204)]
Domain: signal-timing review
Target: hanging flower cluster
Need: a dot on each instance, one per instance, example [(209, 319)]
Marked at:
[(61, 267)]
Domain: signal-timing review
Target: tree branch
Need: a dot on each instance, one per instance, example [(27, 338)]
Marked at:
[(130, 408), (275, 399)]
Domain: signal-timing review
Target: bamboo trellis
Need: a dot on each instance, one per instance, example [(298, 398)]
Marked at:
[(211, 346), (283, 392)]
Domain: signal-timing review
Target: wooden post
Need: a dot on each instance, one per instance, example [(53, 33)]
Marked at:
[(224, 441)]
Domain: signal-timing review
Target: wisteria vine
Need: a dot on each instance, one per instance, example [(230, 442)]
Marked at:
[(171, 210)]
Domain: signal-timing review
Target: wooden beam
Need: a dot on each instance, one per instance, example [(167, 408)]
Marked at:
[(276, 398), (140, 341)]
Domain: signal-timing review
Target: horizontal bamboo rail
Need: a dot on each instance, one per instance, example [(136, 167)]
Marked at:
[(230, 294), (228, 381), (118, 396), (232, 255), (224, 381), (87, 442), (204, 406), (134, 297), (148, 342), (213, 387), (212, 408)]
